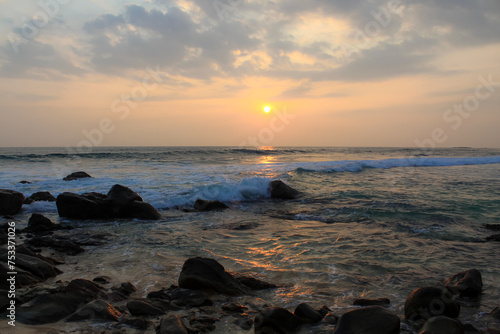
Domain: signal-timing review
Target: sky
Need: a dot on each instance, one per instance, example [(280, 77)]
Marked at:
[(400, 73)]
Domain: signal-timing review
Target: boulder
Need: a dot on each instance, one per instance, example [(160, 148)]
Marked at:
[(49, 308), (42, 196), (278, 189), (172, 324), (252, 283), (60, 244), (371, 302), (207, 274), (427, 302), (307, 314), (467, 283), (139, 210), (85, 206), (24, 182), (11, 202), (76, 176), (39, 224), (442, 325), (276, 320), (371, 319), (23, 277), (142, 307), (96, 310), (204, 205), (83, 287), (180, 297), (36, 266)]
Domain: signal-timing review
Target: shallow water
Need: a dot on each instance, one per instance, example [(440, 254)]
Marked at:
[(361, 229)]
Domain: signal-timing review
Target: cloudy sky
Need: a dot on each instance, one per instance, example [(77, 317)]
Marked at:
[(200, 72)]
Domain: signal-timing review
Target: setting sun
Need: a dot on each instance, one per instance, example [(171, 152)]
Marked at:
[(267, 109)]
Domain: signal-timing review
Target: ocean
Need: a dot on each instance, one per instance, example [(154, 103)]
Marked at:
[(371, 222)]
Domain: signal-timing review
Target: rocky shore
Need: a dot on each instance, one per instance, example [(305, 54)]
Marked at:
[(207, 297)]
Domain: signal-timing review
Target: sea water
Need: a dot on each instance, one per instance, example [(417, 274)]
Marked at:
[(371, 222)]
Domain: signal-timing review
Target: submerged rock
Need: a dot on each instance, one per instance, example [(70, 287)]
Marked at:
[(467, 283), (11, 202), (60, 244), (278, 189), (276, 320), (42, 196), (120, 202), (207, 274), (442, 325), (76, 176), (371, 319), (427, 302), (204, 205)]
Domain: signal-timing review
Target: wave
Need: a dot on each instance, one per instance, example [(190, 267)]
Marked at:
[(359, 165)]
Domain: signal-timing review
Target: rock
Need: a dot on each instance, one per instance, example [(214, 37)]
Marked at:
[(204, 205), (495, 237), (207, 274), (121, 202), (23, 277), (37, 267), (307, 314), (60, 244), (244, 323), (136, 323), (278, 189), (86, 206), (496, 313), (276, 320), (442, 325), (234, 308), (427, 302), (371, 319), (127, 288), (371, 302), (42, 196), (39, 224), (76, 176), (493, 227), (252, 282), (24, 182), (141, 307), (96, 310), (11, 202), (467, 283), (102, 279), (83, 287), (172, 324), (180, 297), (469, 329)]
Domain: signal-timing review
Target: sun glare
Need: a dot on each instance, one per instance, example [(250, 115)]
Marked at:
[(267, 109)]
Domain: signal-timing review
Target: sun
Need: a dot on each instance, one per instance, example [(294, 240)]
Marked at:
[(267, 109)]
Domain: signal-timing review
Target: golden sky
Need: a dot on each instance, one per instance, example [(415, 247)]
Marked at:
[(200, 72)]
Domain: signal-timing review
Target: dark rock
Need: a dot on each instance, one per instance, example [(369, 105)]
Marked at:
[(11, 202), (468, 283), (102, 280), (276, 320), (252, 282), (24, 182), (371, 319), (127, 288), (371, 302), (76, 176), (207, 274), (42, 196), (442, 325), (172, 324), (180, 297), (496, 313), (427, 302), (96, 310), (307, 314), (39, 224), (141, 307), (83, 287), (60, 244), (49, 308), (86, 206), (141, 324), (204, 205), (331, 319), (493, 227), (25, 249), (469, 329), (120, 196), (278, 189), (140, 210), (38, 267), (234, 308), (244, 323), (23, 277), (495, 237), (126, 203)]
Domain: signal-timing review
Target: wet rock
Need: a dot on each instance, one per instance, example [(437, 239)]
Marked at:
[(467, 283), (41, 196), (96, 310), (102, 280), (58, 243), (493, 227), (127, 288), (442, 325), (120, 196), (244, 323), (39, 224), (11, 202), (371, 302), (469, 329), (204, 205), (172, 324), (252, 282), (126, 203), (179, 297), (427, 302), (234, 308), (207, 274), (276, 320), (278, 189), (495, 237), (140, 210), (76, 176), (141, 324), (23, 277), (24, 182), (307, 314), (142, 307), (331, 319), (85, 206), (37, 267), (83, 287), (371, 319), (496, 313)]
